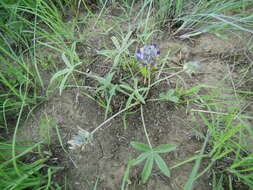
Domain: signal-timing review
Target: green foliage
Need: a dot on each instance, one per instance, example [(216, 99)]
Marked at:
[(121, 49), (26, 174), (106, 90), (65, 73), (228, 142), (135, 92), (170, 96), (210, 16), (151, 155)]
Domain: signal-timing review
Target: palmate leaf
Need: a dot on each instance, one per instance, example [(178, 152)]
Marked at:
[(140, 146), (165, 148), (162, 165), (64, 72), (147, 168)]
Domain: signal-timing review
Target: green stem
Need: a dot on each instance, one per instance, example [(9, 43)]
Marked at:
[(144, 126)]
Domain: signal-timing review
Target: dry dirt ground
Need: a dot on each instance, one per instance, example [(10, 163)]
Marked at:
[(167, 123)]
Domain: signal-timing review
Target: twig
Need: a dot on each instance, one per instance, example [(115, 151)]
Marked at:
[(204, 111)]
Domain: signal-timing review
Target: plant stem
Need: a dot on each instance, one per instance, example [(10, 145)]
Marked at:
[(170, 76), (144, 126), (115, 115)]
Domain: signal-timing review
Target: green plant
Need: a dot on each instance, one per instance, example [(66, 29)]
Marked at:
[(210, 16), (106, 90), (151, 155), (228, 136), (170, 96), (23, 174), (121, 49), (134, 93), (65, 73)]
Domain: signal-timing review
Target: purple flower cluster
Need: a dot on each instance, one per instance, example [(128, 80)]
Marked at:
[(147, 55)]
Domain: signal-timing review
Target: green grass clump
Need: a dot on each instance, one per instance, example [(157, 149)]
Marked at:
[(17, 174), (20, 88)]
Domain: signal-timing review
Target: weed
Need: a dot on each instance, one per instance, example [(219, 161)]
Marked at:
[(151, 155)]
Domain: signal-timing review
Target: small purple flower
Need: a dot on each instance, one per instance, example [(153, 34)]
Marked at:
[(147, 55)]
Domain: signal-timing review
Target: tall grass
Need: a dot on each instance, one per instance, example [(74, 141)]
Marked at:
[(20, 87), (25, 174), (216, 17)]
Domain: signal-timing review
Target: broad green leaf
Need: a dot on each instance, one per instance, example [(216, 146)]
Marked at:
[(140, 146), (162, 165), (140, 158), (144, 71), (147, 168), (171, 92), (165, 148)]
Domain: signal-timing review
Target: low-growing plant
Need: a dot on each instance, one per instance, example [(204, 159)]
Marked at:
[(151, 155)]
